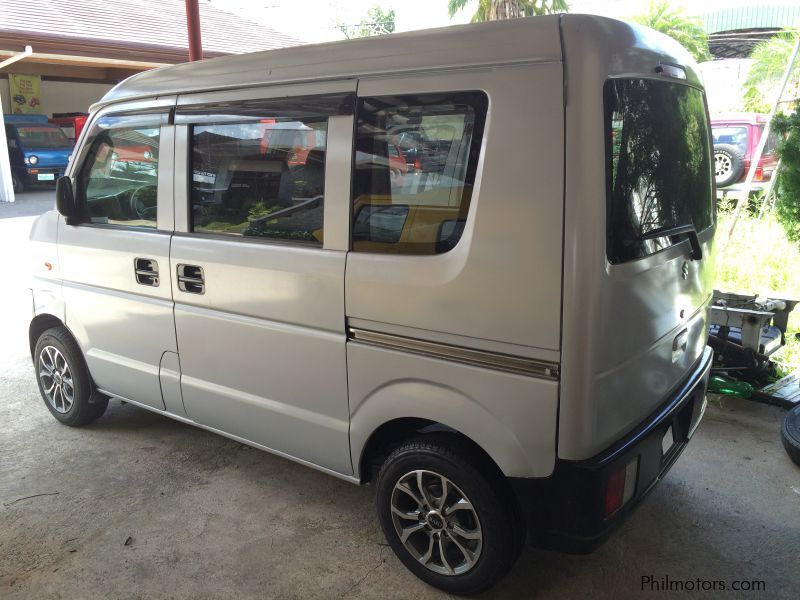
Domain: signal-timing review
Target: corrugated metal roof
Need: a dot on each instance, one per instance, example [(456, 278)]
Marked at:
[(131, 22), (756, 16), (511, 41)]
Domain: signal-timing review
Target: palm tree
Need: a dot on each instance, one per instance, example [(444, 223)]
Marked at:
[(770, 59), (687, 31), (494, 10)]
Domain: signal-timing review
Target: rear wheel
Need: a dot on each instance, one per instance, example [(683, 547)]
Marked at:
[(450, 521), (64, 381)]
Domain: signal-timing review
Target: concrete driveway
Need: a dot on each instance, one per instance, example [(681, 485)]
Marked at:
[(139, 506)]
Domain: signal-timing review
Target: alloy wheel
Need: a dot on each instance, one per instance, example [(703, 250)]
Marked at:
[(56, 378), (436, 522)]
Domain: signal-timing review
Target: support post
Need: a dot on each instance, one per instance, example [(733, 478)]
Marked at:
[(6, 180), (193, 29)]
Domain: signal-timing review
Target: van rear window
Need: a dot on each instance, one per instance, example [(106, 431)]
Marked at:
[(658, 165)]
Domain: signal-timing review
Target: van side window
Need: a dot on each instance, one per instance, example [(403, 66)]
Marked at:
[(118, 182), (262, 177), (414, 165)]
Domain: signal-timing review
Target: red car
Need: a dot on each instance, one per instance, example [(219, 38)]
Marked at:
[(71, 123), (736, 137)]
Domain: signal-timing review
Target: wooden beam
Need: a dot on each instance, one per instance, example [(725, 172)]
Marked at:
[(142, 54), (69, 72), (82, 61)]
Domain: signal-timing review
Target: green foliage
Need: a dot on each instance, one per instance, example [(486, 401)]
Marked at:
[(770, 58), (759, 259), (787, 208), (494, 10), (377, 22), (686, 30)]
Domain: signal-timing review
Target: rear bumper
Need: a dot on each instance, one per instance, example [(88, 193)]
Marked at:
[(565, 511)]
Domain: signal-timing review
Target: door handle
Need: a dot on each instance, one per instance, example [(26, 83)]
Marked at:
[(146, 271), (191, 279)]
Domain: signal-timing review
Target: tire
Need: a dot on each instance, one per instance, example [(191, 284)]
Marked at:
[(493, 530), (728, 164), (790, 434), (18, 185), (59, 366)]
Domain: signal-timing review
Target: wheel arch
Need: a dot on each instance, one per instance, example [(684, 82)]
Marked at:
[(393, 433), (384, 419), (41, 323)]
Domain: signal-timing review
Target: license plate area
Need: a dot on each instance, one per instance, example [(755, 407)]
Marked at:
[(46, 177)]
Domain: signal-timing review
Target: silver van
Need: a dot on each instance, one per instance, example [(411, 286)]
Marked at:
[(469, 265)]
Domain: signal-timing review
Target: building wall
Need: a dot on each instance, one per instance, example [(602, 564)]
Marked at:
[(62, 96)]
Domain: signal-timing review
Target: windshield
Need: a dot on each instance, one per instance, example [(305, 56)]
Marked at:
[(658, 165), (42, 136)]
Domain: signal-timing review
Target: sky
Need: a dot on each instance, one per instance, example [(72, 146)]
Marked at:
[(316, 20)]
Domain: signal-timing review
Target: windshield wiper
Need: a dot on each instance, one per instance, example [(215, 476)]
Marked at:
[(689, 230)]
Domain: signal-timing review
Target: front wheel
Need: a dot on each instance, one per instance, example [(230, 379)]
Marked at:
[(18, 184), (451, 523), (64, 380)]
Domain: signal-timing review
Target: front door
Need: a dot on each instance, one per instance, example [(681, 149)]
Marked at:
[(258, 264), (115, 263)]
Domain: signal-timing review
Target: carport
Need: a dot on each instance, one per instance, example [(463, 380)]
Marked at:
[(84, 48)]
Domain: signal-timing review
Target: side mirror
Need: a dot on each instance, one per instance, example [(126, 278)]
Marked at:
[(65, 199)]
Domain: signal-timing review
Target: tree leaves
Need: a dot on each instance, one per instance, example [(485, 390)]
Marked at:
[(495, 10), (686, 30)]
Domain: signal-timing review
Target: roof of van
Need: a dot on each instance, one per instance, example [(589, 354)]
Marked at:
[(507, 42)]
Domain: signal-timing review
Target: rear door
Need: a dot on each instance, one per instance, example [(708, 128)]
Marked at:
[(115, 263), (635, 292), (657, 288), (258, 259)]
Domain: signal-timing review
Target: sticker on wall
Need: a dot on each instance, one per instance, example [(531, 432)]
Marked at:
[(25, 93)]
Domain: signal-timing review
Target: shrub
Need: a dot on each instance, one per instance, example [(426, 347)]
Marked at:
[(787, 209)]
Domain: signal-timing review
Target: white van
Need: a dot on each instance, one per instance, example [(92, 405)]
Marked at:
[(470, 265)]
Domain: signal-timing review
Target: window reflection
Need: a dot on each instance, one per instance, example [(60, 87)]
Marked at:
[(262, 178), (659, 164), (414, 167)]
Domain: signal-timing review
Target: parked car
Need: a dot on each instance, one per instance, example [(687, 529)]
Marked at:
[(736, 137), (512, 349), (71, 123), (38, 151)]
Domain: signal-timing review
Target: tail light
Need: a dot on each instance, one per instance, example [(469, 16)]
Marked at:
[(620, 487), (759, 176), (417, 165)]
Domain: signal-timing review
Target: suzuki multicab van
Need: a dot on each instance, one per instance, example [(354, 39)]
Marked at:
[(508, 341)]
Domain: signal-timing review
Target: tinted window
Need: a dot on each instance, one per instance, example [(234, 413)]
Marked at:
[(414, 169), (261, 177), (659, 166), (118, 182), (771, 146), (733, 136)]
